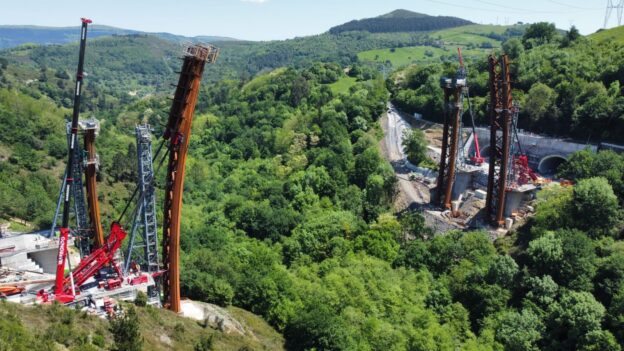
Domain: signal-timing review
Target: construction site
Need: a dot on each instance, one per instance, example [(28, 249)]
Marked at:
[(487, 177), (79, 263)]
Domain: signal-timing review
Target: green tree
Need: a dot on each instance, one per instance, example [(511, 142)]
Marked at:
[(513, 48), (573, 34), (573, 318), (595, 206), (415, 146), (538, 34), (599, 340), (540, 104), (520, 331), (126, 332)]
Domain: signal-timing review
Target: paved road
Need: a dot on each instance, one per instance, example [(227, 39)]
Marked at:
[(394, 126)]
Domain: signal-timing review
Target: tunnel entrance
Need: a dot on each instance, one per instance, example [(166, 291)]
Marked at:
[(549, 164)]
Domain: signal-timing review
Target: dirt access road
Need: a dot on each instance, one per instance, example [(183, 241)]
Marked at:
[(410, 193)]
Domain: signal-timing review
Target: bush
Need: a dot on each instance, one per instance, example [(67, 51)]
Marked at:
[(205, 343), (141, 299), (126, 333)]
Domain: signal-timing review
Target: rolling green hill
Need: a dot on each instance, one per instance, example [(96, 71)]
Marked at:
[(612, 35), (400, 21), (476, 41), (11, 36)]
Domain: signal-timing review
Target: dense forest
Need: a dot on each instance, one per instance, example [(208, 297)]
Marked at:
[(400, 21), (566, 85), (288, 201)]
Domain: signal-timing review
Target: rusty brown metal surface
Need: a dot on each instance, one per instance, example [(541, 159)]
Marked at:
[(178, 133), (92, 194), (454, 144), (444, 148), (500, 110), (450, 144)]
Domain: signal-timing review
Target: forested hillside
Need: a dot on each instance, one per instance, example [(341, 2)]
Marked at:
[(12, 36), (400, 21), (566, 85), (288, 202)]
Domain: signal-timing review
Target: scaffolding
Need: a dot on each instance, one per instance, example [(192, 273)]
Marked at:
[(143, 246)]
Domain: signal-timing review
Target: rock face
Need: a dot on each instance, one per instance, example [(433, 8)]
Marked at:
[(213, 315)]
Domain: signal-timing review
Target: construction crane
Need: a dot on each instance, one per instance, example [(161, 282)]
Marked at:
[(177, 134), (90, 265), (476, 159), (64, 231)]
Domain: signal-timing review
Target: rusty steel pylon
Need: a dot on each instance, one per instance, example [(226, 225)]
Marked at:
[(453, 106), (91, 166), (178, 134), (500, 110)]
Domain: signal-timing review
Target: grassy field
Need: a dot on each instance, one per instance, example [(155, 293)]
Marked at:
[(342, 85), (401, 57), (612, 35), (452, 38)]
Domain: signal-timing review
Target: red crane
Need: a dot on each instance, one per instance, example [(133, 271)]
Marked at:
[(91, 264), (476, 159), (64, 235)]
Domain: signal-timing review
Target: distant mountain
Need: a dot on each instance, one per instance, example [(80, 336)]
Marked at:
[(12, 36), (400, 21)]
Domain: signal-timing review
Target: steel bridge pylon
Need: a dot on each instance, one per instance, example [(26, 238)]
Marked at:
[(453, 107), (143, 246), (501, 111)]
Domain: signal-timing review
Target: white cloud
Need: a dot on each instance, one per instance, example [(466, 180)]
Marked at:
[(256, 1)]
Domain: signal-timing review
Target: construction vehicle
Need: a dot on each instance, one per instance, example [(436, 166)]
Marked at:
[(92, 265)]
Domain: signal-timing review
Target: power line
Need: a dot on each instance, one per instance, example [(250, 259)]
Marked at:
[(506, 9), (574, 7), (514, 8)]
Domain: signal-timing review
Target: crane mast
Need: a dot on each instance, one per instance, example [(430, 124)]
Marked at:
[(64, 231)]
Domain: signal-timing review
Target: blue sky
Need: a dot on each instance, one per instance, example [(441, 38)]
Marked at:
[(280, 19)]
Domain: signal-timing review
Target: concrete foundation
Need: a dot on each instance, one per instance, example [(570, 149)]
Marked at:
[(31, 252), (463, 182), (515, 198)]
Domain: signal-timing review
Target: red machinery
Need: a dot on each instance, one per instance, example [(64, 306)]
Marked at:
[(89, 266), (522, 172), (476, 159)]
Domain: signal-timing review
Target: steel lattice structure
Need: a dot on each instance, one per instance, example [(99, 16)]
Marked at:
[(501, 110), (143, 247), (453, 107)]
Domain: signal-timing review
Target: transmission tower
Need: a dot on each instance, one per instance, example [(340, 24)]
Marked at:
[(143, 247), (618, 5)]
